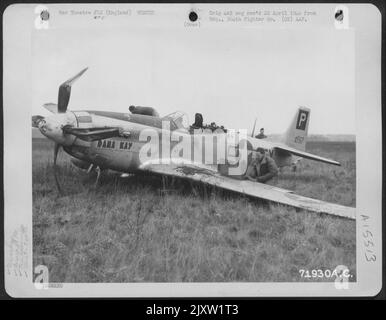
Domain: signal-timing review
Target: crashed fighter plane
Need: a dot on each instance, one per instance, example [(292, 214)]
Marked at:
[(120, 141)]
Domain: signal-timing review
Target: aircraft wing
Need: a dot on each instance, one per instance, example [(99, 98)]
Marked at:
[(208, 175), (306, 155)]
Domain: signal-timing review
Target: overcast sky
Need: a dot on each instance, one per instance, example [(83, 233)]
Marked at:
[(230, 76)]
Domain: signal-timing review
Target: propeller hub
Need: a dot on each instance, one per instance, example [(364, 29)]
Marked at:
[(52, 127)]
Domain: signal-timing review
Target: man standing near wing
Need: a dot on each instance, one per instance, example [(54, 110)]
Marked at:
[(261, 135), (262, 167)]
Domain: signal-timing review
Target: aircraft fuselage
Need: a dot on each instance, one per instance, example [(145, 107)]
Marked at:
[(124, 153)]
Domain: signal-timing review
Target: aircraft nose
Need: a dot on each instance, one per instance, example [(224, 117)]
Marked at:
[(52, 128), (49, 128)]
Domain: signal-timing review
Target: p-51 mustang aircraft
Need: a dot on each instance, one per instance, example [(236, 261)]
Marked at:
[(113, 140)]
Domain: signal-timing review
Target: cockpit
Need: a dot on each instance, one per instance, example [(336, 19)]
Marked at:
[(179, 121)]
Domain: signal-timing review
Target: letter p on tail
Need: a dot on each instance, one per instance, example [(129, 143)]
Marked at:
[(296, 135)]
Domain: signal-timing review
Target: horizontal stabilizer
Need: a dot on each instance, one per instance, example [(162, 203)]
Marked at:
[(306, 155), (93, 134)]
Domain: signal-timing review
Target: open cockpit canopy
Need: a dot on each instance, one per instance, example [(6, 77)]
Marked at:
[(179, 121)]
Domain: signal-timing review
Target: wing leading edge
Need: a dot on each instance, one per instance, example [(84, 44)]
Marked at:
[(208, 175)]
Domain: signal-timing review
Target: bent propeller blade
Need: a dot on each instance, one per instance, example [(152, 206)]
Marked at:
[(56, 151), (65, 92)]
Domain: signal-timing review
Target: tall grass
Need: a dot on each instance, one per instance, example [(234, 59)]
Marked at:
[(127, 231)]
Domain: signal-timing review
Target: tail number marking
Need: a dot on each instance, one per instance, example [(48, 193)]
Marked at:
[(299, 139), (302, 120)]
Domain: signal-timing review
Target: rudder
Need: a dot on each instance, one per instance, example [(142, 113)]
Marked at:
[(296, 135)]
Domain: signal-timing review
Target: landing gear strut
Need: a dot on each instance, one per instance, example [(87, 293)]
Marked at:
[(98, 170)]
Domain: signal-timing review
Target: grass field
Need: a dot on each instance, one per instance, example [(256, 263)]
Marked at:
[(126, 231)]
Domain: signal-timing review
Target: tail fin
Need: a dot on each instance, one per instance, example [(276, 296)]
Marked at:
[(296, 135)]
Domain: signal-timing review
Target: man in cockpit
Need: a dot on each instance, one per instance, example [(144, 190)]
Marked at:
[(198, 121)]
